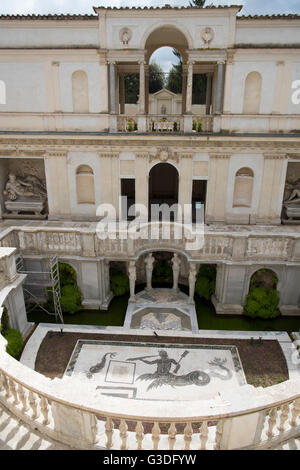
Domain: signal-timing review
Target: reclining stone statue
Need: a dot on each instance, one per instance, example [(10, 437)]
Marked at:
[(26, 194)]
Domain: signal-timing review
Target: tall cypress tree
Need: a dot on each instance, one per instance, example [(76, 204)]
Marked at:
[(197, 3)]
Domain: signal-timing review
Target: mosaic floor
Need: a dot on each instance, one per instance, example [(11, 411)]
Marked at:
[(161, 309), (156, 371)]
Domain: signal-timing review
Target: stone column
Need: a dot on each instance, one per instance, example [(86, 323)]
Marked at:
[(122, 93), (228, 83), (279, 85), (149, 260), (208, 92), (103, 84), (142, 88), (183, 92), (147, 89), (217, 188), (132, 279), (189, 88), (192, 281), (176, 269), (220, 88), (112, 87)]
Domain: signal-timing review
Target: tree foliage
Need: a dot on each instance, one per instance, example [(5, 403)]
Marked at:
[(197, 3), (119, 282), (132, 83), (206, 281), (262, 303), (162, 271), (14, 342)]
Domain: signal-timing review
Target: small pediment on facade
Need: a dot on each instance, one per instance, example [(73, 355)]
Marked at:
[(164, 93)]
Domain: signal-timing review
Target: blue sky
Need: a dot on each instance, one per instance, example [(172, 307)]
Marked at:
[(164, 56)]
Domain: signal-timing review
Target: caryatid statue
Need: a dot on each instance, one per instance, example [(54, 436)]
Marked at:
[(192, 281), (149, 260), (132, 279), (176, 269)]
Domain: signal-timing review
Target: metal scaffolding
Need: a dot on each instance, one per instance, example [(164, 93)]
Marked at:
[(43, 280)]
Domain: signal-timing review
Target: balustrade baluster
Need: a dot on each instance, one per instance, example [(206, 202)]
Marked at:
[(33, 405), (4, 382), (219, 432), (172, 436), (109, 430), (155, 435), (272, 422), (139, 434), (123, 434), (44, 410), (188, 434), (295, 412), (203, 435), (13, 391), (283, 416), (23, 399)]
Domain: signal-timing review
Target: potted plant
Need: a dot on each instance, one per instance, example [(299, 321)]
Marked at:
[(199, 125), (131, 125), (194, 125)]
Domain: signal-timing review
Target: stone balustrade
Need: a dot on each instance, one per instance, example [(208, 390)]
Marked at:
[(69, 411), (248, 418), (218, 246), (214, 245)]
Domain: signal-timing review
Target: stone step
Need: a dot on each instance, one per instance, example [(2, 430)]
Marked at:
[(15, 435)]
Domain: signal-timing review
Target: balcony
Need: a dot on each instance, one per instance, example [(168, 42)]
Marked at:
[(165, 124)]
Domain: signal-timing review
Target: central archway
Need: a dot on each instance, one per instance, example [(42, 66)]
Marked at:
[(163, 185)]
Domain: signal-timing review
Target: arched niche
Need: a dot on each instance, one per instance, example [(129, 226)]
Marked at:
[(163, 184), (243, 188), (252, 93), (85, 187), (80, 92)]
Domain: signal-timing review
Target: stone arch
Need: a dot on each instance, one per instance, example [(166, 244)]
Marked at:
[(85, 187), (80, 92), (172, 36), (252, 93), (2, 92), (254, 269), (163, 183), (243, 188)]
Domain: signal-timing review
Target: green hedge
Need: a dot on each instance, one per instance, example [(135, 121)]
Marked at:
[(162, 271), (262, 303), (206, 281), (119, 283), (14, 342)]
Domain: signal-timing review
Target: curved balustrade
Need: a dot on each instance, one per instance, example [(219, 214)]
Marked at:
[(74, 413)]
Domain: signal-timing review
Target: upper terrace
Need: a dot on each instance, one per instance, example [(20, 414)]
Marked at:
[(73, 76)]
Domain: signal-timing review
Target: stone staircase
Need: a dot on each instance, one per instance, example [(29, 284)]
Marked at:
[(291, 444), (16, 435)]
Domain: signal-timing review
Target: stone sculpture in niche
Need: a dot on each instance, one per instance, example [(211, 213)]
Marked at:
[(207, 36), (292, 203), (125, 36), (24, 195)]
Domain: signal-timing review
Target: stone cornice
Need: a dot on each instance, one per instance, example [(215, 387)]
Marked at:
[(275, 156), (38, 145), (56, 153), (220, 155)]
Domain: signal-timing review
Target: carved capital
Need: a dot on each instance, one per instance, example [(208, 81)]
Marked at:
[(275, 156), (56, 153)]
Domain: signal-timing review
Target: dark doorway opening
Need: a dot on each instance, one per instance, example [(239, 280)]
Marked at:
[(163, 187), (198, 198), (127, 190)]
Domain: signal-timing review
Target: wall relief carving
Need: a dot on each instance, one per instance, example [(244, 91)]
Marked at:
[(125, 36), (207, 35), (291, 199), (164, 154)]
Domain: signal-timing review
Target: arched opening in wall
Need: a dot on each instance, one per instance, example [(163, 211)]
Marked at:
[(2, 92), (243, 188), (252, 94), (163, 189), (80, 92), (85, 187), (263, 298), (291, 196)]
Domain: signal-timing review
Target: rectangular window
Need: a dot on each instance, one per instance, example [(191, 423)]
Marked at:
[(128, 190)]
